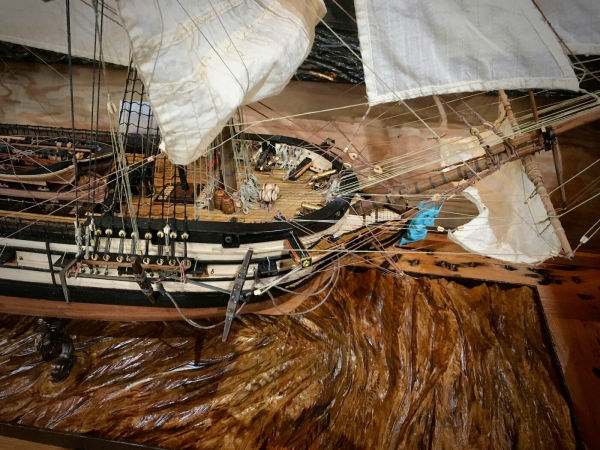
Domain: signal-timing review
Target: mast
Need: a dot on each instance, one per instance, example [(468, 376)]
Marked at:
[(72, 103), (227, 161)]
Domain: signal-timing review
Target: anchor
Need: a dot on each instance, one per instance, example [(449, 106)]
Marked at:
[(56, 345), (236, 293)]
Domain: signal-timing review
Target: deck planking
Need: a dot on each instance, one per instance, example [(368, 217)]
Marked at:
[(291, 196)]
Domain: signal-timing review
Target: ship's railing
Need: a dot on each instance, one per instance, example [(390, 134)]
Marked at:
[(148, 140)]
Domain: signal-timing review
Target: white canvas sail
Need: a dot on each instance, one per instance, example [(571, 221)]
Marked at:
[(201, 60), (415, 48), (43, 25), (577, 22), (512, 224)]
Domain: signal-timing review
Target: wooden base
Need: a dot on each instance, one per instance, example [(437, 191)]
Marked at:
[(569, 288), (91, 311), (569, 291)]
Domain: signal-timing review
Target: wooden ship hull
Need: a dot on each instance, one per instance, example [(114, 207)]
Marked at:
[(207, 262), (200, 266)]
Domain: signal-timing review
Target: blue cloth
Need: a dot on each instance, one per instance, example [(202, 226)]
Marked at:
[(417, 228)]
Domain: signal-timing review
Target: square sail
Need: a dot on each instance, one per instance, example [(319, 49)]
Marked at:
[(416, 48)]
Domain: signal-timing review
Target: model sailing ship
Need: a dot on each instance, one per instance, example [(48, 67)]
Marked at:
[(180, 205)]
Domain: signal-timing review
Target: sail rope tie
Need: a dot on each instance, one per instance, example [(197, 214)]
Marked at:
[(269, 193), (249, 194), (182, 272), (78, 237), (282, 156), (586, 236)]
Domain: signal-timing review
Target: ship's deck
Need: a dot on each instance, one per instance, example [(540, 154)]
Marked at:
[(291, 196)]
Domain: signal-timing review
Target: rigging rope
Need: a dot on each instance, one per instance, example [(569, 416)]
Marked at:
[(72, 99)]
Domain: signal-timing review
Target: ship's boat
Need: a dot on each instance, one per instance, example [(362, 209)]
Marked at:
[(182, 205), (24, 162)]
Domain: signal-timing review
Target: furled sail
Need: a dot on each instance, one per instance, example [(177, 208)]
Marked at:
[(43, 25), (577, 22), (201, 60), (415, 48), (512, 225)]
